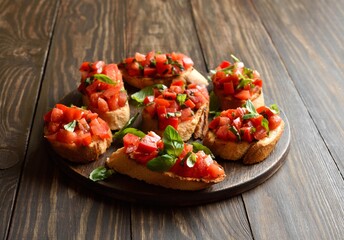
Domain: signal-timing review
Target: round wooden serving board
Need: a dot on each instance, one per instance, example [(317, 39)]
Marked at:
[(240, 177)]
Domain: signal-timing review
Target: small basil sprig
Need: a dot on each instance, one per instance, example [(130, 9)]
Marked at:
[(173, 147), (181, 98), (145, 92), (118, 136), (251, 109), (70, 126), (100, 173), (214, 104), (200, 147), (104, 78)]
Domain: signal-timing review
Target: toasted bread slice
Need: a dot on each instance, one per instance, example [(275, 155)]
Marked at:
[(116, 119), (121, 163), (191, 75), (197, 126), (82, 154), (230, 102), (250, 153)]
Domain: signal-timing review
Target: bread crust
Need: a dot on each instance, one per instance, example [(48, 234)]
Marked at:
[(197, 126), (230, 102), (82, 154), (191, 75), (116, 119), (121, 163), (250, 153)]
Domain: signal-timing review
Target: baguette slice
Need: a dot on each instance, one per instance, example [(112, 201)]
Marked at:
[(121, 163), (250, 153), (191, 75), (116, 119), (82, 154), (196, 127)]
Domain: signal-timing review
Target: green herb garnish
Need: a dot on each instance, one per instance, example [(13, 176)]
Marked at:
[(181, 98), (101, 173), (145, 92), (70, 126), (103, 78), (235, 131), (200, 147), (251, 109), (161, 163)]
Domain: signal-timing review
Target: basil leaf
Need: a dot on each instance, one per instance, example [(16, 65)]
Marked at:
[(250, 115), (181, 98), (243, 82), (191, 160), (265, 124), (88, 81), (104, 78), (120, 134), (100, 173), (147, 91), (235, 131), (70, 126), (235, 58), (250, 107), (162, 163), (134, 131), (200, 147), (173, 143), (214, 102), (274, 109), (212, 71)]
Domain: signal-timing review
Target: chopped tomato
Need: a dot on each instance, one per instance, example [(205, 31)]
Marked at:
[(214, 123), (111, 70), (170, 95), (71, 114), (224, 64), (164, 122), (122, 98), (140, 57), (65, 136), (149, 72), (162, 102), (130, 142), (99, 127), (190, 104), (186, 114), (102, 105), (243, 95), (148, 99), (274, 121), (147, 144), (246, 134), (260, 133), (160, 58), (215, 170), (187, 62), (150, 109), (163, 68), (56, 115), (257, 121), (113, 103), (228, 88)]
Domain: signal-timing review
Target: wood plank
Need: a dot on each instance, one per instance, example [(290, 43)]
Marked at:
[(309, 38), (168, 27), (49, 204), (276, 209), (24, 44)]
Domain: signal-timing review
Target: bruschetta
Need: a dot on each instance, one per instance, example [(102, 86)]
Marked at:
[(245, 133), (156, 68), (234, 84), (167, 162), (185, 107), (103, 92), (76, 134)]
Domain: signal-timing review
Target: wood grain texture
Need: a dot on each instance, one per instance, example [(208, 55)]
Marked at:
[(24, 40), (309, 38), (168, 26), (278, 205), (49, 204), (222, 220)]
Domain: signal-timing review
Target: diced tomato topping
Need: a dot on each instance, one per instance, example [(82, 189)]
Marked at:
[(246, 134), (224, 64), (140, 57), (170, 95), (149, 72), (186, 114), (190, 104), (162, 102), (228, 88), (243, 95), (260, 133), (130, 142), (160, 58), (65, 136), (274, 121), (148, 99), (148, 144), (122, 98), (56, 115), (100, 128), (187, 62), (164, 122)]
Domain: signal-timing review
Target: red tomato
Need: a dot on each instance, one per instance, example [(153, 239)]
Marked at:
[(215, 171), (260, 133), (265, 111), (222, 132), (134, 69), (274, 121), (56, 115), (224, 64), (187, 62), (129, 60), (71, 114), (102, 105), (100, 128), (179, 83), (97, 67), (130, 142), (257, 121), (163, 68), (189, 104), (237, 123), (149, 72), (113, 103), (214, 123), (122, 98), (164, 122), (187, 114), (65, 136), (53, 127), (85, 66), (228, 88), (147, 144), (161, 110), (243, 95), (223, 121), (61, 106), (111, 70), (246, 134), (162, 102), (258, 82), (140, 57), (109, 93), (150, 109), (160, 58), (169, 95), (148, 99)]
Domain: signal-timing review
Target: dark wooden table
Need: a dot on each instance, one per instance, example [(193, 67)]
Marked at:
[(297, 46)]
